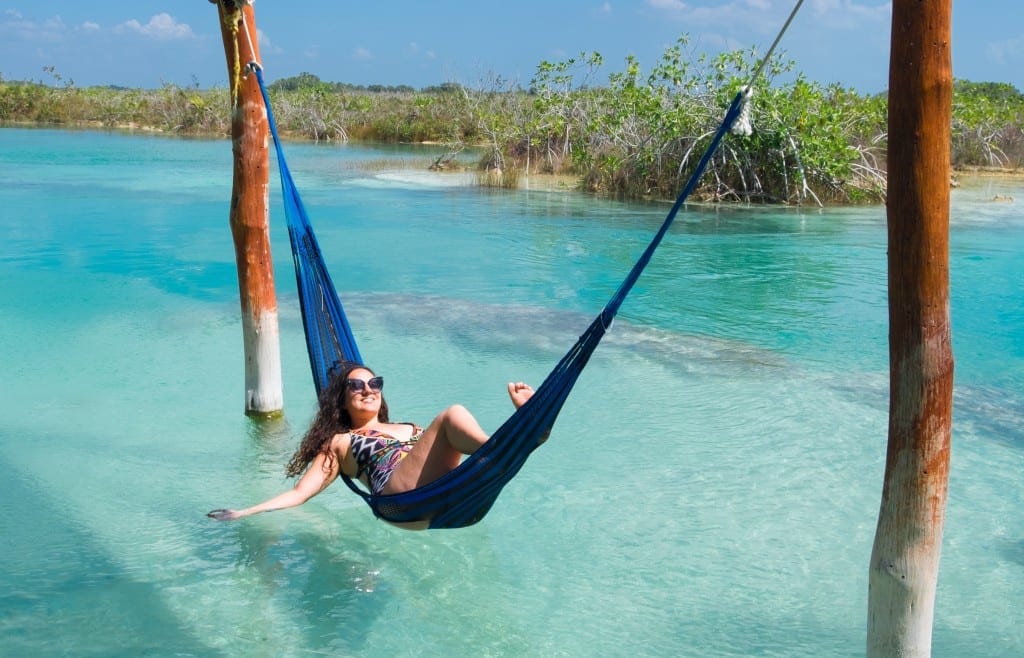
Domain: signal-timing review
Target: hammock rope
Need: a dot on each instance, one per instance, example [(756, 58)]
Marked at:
[(463, 496)]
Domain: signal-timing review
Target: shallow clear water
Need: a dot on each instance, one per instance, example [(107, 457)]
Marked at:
[(711, 487)]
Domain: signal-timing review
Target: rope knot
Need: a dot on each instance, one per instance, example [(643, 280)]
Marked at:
[(743, 125)]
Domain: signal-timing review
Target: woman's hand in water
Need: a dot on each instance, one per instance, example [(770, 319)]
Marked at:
[(224, 514)]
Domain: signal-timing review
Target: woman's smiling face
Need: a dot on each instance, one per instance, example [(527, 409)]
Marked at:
[(362, 392)]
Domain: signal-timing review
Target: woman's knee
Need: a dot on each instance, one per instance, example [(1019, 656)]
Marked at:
[(454, 415), (456, 411), (459, 425)]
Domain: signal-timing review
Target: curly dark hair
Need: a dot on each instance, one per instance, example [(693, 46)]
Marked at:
[(331, 419)]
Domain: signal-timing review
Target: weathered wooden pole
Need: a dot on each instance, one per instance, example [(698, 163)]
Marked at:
[(908, 540), (249, 215)]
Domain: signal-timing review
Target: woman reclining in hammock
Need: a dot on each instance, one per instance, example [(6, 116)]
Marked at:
[(352, 434)]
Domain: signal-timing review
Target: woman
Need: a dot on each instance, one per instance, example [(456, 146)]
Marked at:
[(352, 434)]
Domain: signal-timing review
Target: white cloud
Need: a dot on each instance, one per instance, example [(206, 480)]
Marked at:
[(361, 54), (162, 27), (766, 16), (669, 5), (849, 14), (749, 14), (1005, 52), (414, 50), (266, 45), (51, 30), (606, 8)]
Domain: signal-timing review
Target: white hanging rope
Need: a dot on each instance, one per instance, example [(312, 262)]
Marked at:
[(248, 39), (743, 125)]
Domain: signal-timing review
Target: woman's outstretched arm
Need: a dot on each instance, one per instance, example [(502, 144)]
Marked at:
[(321, 473)]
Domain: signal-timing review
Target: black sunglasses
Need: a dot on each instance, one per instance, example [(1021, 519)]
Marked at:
[(357, 385)]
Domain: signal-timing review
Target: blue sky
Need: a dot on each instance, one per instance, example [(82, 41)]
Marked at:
[(427, 42)]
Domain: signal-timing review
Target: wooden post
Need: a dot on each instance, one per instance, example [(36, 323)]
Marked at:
[(249, 215), (905, 558)]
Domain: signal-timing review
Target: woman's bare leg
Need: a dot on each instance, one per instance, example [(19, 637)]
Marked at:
[(452, 434)]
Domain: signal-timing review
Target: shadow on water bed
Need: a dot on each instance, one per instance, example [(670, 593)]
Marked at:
[(150, 580), (306, 576), (320, 575), (63, 594), (545, 333), (1014, 551), (991, 413)]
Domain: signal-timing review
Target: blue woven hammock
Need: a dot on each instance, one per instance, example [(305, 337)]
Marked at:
[(463, 496)]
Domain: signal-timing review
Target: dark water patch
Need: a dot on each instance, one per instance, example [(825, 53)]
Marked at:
[(542, 333), (1013, 550), (991, 413), (987, 413)]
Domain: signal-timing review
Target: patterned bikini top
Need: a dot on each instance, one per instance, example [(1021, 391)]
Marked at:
[(377, 454)]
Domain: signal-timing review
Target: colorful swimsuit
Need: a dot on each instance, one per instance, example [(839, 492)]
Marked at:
[(378, 453)]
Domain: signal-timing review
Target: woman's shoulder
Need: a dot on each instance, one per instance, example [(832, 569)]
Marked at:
[(341, 441)]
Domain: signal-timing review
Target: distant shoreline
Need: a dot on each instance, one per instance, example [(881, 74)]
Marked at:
[(959, 176), (987, 172)]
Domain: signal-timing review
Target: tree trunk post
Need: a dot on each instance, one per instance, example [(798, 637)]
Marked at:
[(904, 567), (249, 216)]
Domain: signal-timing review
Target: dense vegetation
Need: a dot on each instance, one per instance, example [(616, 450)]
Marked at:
[(634, 135)]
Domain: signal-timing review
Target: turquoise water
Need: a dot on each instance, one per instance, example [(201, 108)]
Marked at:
[(711, 488)]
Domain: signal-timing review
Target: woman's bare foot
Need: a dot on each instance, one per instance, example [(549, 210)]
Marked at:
[(520, 393)]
